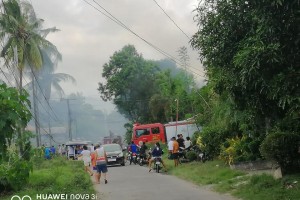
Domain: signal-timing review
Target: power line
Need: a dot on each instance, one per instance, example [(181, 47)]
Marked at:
[(172, 20), (6, 77), (43, 94), (117, 21), (31, 113), (35, 78), (39, 125), (34, 95)]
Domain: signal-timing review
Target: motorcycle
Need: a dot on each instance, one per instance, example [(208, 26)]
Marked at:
[(182, 155), (202, 156), (133, 158), (144, 158), (157, 162)]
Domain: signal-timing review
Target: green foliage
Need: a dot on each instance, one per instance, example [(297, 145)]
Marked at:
[(129, 131), (239, 149), (282, 148), (14, 113), (250, 50), (129, 82), (260, 187), (56, 176), (20, 27), (15, 173), (207, 173), (141, 91), (212, 138)]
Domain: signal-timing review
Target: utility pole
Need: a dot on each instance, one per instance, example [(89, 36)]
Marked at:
[(69, 118)]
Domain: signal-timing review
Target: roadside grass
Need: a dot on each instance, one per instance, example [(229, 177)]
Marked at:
[(265, 187), (56, 176), (219, 177), (204, 173)]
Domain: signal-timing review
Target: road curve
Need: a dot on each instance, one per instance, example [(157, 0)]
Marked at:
[(133, 182)]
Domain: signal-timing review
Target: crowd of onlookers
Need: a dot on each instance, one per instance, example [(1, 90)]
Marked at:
[(176, 145), (51, 151)]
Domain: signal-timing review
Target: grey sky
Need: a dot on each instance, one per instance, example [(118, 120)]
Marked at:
[(87, 38)]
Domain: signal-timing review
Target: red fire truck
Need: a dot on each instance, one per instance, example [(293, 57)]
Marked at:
[(157, 132)]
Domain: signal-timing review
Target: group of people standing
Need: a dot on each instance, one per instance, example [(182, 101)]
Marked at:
[(49, 152), (175, 145)]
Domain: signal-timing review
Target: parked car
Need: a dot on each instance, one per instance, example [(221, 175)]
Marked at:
[(114, 154)]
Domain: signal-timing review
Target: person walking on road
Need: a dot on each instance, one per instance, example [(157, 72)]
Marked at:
[(86, 157), (101, 163)]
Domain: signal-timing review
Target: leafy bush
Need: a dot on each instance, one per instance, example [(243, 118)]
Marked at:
[(239, 149), (191, 155), (282, 148), (211, 140), (15, 173)]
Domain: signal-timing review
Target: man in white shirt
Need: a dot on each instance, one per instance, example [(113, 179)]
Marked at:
[(86, 157), (187, 142)]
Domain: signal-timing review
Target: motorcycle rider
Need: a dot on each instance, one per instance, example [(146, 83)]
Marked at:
[(143, 150), (133, 149), (156, 152)]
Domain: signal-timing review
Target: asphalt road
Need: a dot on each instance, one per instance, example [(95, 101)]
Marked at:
[(133, 182)]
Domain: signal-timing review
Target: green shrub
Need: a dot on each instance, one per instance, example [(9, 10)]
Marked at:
[(212, 138), (191, 155), (282, 148), (14, 174)]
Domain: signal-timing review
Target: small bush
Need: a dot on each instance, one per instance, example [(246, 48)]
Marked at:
[(14, 174), (191, 155), (282, 148), (212, 138)]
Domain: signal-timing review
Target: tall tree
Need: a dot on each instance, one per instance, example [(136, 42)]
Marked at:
[(130, 83), (251, 52), (20, 29)]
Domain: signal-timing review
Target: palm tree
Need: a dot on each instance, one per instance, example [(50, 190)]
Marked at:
[(20, 32), (49, 80)]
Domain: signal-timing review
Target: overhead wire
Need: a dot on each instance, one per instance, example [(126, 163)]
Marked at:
[(32, 113), (37, 81), (38, 124), (6, 77), (33, 97), (117, 21), (171, 19)]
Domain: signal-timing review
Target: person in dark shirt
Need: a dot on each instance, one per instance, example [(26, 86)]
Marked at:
[(143, 150), (53, 150), (156, 153), (180, 141)]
